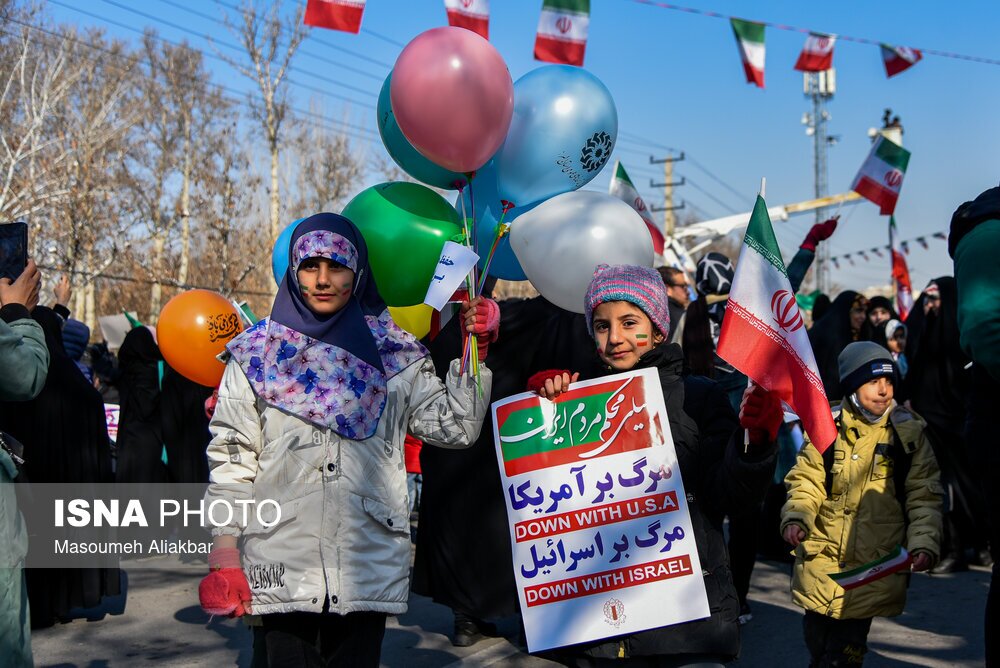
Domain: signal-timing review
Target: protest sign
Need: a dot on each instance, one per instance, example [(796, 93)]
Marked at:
[(453, 266), (599, 522)]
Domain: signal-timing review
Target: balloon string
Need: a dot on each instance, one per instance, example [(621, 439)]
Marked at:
[(501, 231)]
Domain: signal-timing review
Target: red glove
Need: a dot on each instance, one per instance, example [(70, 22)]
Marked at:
[(761, 414), (225, 591), (211, 402), (482, 318), (819, 232), (537, 381)]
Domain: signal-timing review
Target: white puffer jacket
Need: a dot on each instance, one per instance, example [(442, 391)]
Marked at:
[(344, 533)]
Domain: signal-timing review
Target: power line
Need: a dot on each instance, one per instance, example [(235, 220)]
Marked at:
[(709, 195), (715, 178), (781, 26)]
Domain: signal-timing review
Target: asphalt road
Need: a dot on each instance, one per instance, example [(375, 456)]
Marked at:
[(163, 625)]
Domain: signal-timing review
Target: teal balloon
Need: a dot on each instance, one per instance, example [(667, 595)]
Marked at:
[(402, 152), (279, 255), (488, 209), (564, 129)]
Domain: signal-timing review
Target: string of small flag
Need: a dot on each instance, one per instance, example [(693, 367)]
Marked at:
[(563, 26), (878, 251)]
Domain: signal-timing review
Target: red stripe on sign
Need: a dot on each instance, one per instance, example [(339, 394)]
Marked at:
[(609, 513), (551, 50), (619, 578), (877, 193)]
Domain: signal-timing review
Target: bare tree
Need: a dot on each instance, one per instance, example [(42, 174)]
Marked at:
[(326, 169), (270, 42)]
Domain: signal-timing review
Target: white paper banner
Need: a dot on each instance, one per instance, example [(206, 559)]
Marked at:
[(454, 265)]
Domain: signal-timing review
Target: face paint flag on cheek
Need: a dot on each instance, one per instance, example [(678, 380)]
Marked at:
[(642, 340)]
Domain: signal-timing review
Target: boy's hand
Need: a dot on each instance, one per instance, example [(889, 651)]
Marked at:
[(921, 562), (794, 534)]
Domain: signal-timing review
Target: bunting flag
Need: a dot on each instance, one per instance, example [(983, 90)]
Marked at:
[(900, 274), (881, 176), (817, 54), (562, 31), (878, 252), (940, 235), (864, 255), (897, 560), (923, 242), (473, 15), (905, 245), (899, 58), (750, 40), (850, 259), (763, 334), (342, 15), (622, 188), (836, 263)]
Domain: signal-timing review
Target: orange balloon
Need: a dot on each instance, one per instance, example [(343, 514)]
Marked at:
[(194, 327)]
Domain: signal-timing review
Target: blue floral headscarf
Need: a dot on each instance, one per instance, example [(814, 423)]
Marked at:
[(330, 370)]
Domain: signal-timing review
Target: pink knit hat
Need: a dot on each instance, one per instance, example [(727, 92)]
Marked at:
[(641, 286)]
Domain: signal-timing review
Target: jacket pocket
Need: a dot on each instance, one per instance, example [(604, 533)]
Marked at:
[(393, 521), (266, 519)]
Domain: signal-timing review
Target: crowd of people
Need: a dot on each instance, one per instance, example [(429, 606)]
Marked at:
[(325, 403)]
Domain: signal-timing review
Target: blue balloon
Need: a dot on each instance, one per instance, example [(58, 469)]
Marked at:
[(563, 131), (402, 152), (488, 209), (279, 255)]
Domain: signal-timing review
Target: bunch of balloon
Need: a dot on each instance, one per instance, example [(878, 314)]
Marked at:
[(561, 241), (405, 226), (562, 133), (193, 329)]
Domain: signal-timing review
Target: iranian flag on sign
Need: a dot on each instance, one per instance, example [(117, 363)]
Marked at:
[(473, 15), (622, 188), (750, 40), (899, 58), (562, 31), (342, 15), (900, 273), (817, 54), (597, 421), (763, 334), (881, 176)]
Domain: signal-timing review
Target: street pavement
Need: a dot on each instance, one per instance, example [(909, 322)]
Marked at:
[(163, 625)]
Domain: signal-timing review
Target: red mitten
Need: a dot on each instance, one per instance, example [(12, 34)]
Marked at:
[(225, 590), (487, 322), (819, 232), (210, 403), (537, 381), (761, 414)]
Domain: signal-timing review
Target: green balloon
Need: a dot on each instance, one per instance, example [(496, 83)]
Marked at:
[(405, 226)]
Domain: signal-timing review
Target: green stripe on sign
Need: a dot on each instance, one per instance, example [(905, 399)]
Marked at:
[(892, 154), (578, 6), (577, 422), (760, 236), (748, 30)]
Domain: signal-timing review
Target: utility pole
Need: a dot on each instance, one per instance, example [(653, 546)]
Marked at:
[(668, 208), (820, 86)]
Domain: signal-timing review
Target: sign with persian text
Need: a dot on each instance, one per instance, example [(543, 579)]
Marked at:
[(599, 523)]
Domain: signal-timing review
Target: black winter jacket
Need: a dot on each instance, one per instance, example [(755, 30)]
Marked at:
[(719, 479)]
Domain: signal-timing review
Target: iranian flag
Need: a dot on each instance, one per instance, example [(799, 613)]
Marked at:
[(899, 58), (763, 334), (897, 560), (881, 176), (817, 54), (622, 188), (750, 40), (335, 14), (600, 420), (900, 273), (473, 15), (562, 31)]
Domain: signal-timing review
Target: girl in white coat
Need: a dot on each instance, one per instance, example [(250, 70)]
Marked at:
[(312, 413)]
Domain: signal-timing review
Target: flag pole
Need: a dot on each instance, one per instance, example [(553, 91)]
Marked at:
[(763, 185), (746, 432)]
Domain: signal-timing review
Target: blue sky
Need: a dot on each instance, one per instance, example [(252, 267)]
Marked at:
[(678, 82)]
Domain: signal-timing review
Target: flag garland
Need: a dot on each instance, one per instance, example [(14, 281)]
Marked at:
[(817, 53), (903, 245), (472, 15), (750, 40), (881, 175), (344, 15), (562, 31), (899, 58)]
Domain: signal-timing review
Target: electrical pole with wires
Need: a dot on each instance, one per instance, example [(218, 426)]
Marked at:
[(668, 208)]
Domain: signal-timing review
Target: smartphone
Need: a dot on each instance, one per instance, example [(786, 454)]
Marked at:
[(13, 249)]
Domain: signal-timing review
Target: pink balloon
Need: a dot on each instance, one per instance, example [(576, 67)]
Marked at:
[(453, 97)]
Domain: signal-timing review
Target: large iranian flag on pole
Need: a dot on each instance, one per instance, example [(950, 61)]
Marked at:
[(817, 53), (622, 188), (473, 15), (900, 273), (881, 176), (342, 15), (763, 334), (750, 40), (562, 31)]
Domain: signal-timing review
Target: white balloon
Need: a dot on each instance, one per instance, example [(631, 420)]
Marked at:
[(560, 242)]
